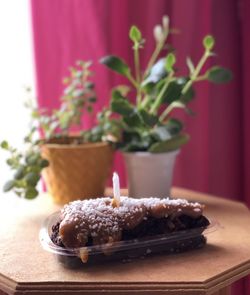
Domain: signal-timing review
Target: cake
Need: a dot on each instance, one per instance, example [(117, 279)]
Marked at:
[(103, 224)]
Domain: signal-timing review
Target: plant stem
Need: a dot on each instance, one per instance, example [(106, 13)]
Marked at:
[(167, 111), (193, 78), (132, 81), (196, 72), (137, 73), (154, 56), (201, 78), (157, 101), (145, 101), (158, 49), (137, 63)]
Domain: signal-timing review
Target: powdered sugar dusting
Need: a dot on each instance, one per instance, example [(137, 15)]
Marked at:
[(98, 219)]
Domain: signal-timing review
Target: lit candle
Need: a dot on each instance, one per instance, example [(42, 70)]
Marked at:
[(116, 190)]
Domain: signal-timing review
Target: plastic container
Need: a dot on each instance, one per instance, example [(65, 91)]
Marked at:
[(126, 250)]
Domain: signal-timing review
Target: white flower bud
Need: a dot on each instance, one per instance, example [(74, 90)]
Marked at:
[(165, 22), (158, 33)]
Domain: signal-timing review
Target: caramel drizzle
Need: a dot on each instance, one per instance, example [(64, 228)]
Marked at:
[(104, 222)]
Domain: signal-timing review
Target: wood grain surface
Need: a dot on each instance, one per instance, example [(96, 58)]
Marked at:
[(25, 268)]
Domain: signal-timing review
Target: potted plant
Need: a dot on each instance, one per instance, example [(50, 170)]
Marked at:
[(74, 165), (151, 135)]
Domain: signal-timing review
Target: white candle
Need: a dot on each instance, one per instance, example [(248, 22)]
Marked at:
[(116, 189)]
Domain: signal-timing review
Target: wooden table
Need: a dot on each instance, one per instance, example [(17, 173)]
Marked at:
[(25, 268)]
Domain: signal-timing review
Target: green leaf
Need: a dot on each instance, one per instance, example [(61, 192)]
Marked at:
[(116, 64), (188, 96), (169, 62), (64, 120), (173, 92), (174, 89), (43, 163), (92, 99), (89, 109), (11, 162), (123, 89), (116, 94), (161, 133), (32, 178), (147, 118), (219, 75), (90, 85), (174, 126), (9, 185), (149, 88), (4, 145), (133, 142), (169, 145), (208, 42), (78, 93), (19, 173), (31, 193), (133, 120), (32, 159), (135, 34), (121, 106)]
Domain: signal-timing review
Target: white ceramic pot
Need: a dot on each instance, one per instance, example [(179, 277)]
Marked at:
[(150, 175)]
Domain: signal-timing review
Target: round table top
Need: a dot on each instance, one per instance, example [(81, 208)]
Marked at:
[(26, 267)]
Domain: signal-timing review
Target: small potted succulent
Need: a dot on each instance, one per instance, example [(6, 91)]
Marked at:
[(151, 134), (74, 165)]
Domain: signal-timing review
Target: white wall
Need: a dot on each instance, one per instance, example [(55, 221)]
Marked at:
[(16, 71)]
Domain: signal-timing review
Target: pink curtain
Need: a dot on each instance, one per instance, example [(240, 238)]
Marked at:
[(217, 159)]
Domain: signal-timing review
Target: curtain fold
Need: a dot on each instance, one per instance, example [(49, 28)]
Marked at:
[(217, 158)]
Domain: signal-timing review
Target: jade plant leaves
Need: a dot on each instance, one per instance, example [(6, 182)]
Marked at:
[(135, 141), (20, 172), (32, 158), (116, 94), (147, 122), (208, 42), (174, 126), (147, 118), (135, 34), (219, 75), (32, 178), (169, 145), (31, 193), (133, 120), (9, 185), (169, 62), (174, 89), (4, 145), (116, 64), (121, 106), (43, 163), (161, 133)]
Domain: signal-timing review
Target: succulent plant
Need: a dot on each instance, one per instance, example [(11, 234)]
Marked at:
[(78, 98), (147, 124)]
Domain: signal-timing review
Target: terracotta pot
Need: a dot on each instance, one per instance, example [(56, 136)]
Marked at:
[(77, 171), (148, 174)]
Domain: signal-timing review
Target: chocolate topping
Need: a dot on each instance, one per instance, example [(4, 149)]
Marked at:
[(100, 221)]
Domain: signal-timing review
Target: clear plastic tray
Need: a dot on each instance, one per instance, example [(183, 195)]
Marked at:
[(175, 242)]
